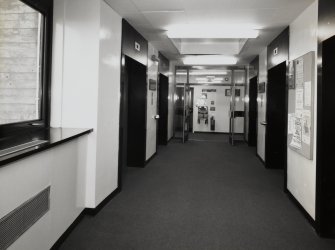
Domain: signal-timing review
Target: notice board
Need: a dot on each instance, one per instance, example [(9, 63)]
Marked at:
[(301, 105)]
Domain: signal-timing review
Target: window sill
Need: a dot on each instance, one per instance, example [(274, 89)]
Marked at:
[(52, 136)]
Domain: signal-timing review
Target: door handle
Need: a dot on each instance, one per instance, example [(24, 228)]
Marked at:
[(264, 123), (156, 117)]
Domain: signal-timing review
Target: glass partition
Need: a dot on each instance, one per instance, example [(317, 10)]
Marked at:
[(231, 79)]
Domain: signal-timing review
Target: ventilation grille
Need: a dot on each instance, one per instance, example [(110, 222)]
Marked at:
[(14, 224)]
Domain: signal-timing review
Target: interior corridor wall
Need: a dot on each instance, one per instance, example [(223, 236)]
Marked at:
[(261, 103), (151, 142), (301, 172), (86, 83)]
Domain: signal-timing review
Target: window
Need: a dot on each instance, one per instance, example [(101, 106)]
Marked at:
[(25, 32)]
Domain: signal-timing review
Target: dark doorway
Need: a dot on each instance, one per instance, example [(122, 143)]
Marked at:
[(191, 111), (163, 106), (276, 118), (325, 184), (252, 136), (133, 113)]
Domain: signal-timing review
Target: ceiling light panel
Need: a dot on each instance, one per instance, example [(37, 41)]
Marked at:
[(162, 11), (210, 60), (210, 32)]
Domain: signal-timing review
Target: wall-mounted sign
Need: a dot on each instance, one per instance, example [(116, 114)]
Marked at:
[(137, 46), (152, 84), (228, 92), (275, 51), (261, 87), (237, 92)]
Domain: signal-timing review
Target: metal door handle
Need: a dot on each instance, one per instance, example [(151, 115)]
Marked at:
[(264, 123), (156, 117)]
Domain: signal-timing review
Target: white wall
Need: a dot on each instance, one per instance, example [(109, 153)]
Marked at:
[(108, 102), (301, 172), (261, 102), (62, 168), (85, 85), (171, 99), (151, 142)]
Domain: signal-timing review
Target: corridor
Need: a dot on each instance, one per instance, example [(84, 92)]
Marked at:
[(204, 194)]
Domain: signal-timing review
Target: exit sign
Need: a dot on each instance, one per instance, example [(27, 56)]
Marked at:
[(275, 51)]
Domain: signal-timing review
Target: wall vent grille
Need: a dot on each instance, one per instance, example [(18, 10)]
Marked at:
[(17, 222)]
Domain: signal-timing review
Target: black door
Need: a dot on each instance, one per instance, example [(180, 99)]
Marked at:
[(325, 185), (133, 113), (252, 136), (276, 118), (163, 102)]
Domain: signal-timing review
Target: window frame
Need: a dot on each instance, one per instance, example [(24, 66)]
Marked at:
[(45, 7)]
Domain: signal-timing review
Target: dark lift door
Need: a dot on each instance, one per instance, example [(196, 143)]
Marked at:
[(136, 120), (252, 137), (325, 193), (163, 109), (276, 118)]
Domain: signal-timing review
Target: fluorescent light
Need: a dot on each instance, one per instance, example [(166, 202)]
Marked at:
[(203, 73), (209, 79), (210, 60), (211, 32), (207, 82), (162, 11), (201, 79)]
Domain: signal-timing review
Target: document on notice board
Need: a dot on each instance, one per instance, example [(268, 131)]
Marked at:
[(308, 94), (306, 127), (291, 123), (299, 99), (297, 135)]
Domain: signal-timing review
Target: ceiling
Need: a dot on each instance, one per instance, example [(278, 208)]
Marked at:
[(152, 18)]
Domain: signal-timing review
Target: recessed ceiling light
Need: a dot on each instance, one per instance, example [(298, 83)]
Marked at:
[(211, 32), (162, 11), (209, 82), (210, 60)]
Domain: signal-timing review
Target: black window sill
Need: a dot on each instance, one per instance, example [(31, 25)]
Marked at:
[(52, 136)]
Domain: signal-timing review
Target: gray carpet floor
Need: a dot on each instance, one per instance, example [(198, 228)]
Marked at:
[(203, 195)]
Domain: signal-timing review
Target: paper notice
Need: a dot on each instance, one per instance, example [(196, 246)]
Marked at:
[(299, 71), (299, 99), (308, 94), (296, 139), (306, 127), (291, 123)]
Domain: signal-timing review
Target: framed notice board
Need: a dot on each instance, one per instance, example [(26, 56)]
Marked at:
[(301, 106)]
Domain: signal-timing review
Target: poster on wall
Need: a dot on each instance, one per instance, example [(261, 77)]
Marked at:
[(296, 141)]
